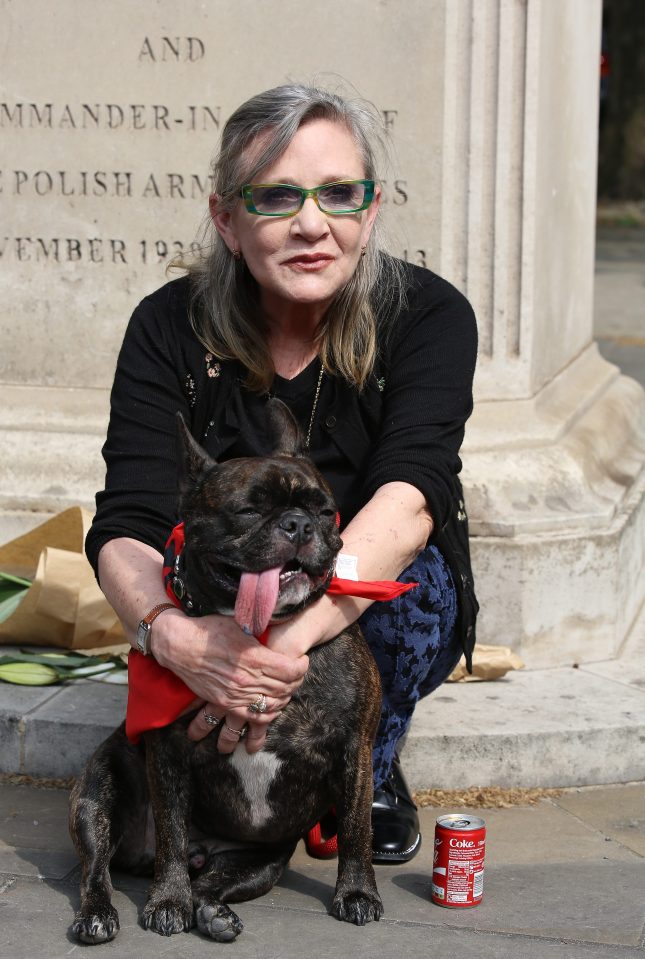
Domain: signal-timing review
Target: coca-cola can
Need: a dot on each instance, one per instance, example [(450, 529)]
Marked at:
[(458, 867)]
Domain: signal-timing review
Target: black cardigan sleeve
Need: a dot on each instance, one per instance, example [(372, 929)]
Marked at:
[(139, 499), (427, 395)]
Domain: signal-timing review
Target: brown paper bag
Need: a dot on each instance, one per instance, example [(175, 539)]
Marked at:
[(489, 662), (64, 606)]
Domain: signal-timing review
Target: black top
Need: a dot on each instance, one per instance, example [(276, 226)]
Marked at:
[(407, 424)]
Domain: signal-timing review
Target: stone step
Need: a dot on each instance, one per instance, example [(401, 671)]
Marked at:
[(547, 727)]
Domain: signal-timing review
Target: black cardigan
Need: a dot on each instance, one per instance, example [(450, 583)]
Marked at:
[(406, 425)]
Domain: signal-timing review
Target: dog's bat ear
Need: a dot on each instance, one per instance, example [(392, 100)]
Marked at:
[(283, 430), (192, 460)]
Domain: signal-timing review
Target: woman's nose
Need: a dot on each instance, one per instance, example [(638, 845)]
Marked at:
[(310, 221)]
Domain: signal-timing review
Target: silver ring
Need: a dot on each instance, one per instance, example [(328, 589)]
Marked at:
[(211, 720), (240, 733), (259, 705)]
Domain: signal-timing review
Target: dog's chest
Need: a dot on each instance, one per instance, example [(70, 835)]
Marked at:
[(256, 772)]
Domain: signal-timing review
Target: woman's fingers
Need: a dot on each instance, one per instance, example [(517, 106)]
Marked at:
[(211, 718), (205, 721), (230, 734), (229, 672), (255, 736)]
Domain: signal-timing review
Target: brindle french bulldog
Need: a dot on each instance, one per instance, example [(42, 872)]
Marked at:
[(265, 528)]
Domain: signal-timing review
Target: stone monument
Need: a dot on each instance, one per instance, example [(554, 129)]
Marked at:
[(109, 115)]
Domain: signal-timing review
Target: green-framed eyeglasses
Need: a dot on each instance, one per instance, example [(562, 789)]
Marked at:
[(284, 199)]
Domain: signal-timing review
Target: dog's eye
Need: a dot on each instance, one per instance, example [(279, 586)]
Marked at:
[(247, 511)]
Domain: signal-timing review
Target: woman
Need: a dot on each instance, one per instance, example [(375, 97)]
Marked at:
[(374, 357)]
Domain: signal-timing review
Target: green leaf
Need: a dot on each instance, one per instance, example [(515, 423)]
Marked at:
[(119, 677), (12, 592), (37, 667), (65, 659), (11, 597), (17, 580), (71, 658)]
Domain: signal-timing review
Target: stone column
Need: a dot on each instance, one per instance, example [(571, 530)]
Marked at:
[(554, 452)]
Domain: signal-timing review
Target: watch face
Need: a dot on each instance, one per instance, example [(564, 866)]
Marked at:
[(143, 631)]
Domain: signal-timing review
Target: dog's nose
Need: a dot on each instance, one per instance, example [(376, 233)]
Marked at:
[(297, 526)]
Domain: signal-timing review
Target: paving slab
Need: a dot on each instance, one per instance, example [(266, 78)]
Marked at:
[(35, 917), (34, 840), (619, 289), (563, 883), (617, 813), (34, 817), (602, 902), (546, 832), (557, 885)]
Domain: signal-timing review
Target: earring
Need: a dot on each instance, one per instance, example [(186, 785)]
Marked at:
[(237, 254), (363, 249)]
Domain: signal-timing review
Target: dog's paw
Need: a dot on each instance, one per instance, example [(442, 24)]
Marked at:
[(167, 916), (101, 926), (357, 906), (218, 921)]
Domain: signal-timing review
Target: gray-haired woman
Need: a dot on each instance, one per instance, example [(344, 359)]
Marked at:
[(375, 358)]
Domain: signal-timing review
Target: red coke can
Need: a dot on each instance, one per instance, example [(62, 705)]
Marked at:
[(458, 867)]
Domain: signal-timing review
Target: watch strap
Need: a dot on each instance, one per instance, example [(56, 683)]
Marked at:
[(145, 626)]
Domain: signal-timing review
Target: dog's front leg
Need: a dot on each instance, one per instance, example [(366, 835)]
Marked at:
[(356, 899), (169, 908)]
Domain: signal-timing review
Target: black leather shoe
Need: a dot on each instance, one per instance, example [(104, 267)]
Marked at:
[(395, 824)]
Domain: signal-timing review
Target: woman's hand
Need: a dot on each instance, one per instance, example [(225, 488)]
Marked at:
[(228, 671)]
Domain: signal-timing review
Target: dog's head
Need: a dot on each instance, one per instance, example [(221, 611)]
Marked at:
[(261, 534)]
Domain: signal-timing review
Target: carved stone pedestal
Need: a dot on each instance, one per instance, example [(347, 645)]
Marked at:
[(553, 459), (492, 106)]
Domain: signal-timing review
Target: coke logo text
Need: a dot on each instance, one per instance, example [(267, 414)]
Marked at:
[(462, 843)]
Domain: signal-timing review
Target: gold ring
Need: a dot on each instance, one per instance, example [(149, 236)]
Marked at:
[(259, 705), (240, 733)]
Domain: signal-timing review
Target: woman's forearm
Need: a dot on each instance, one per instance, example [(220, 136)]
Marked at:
[(384, 537), (130, 577)]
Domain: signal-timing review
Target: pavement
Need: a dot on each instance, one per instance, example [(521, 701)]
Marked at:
[(619, 313), (564, 879)]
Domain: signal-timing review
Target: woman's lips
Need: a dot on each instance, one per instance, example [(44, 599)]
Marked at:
[(310, 262)]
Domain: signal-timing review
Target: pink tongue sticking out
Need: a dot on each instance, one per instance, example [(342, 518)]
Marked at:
[(256, 599)]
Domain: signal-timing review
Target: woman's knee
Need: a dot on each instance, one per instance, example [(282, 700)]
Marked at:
[(413, 635)]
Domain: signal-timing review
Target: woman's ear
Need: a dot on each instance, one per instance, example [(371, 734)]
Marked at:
[(213, 202), (222, 221)]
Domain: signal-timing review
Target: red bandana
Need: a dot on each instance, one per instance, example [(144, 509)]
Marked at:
[(156, 696)]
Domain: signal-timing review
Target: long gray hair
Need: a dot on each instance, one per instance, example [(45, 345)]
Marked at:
[(225, 310)]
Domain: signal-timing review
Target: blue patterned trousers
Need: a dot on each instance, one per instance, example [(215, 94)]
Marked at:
[(413, 640)]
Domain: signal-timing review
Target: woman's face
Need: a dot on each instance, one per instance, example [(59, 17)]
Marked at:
[(307, 258)]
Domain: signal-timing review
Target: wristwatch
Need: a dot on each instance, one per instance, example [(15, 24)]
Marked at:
[(144, 628)]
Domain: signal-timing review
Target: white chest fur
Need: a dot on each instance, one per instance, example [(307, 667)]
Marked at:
[(256, 771)]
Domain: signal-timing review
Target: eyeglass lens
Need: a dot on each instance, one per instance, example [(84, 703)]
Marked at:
[(334, 198)]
